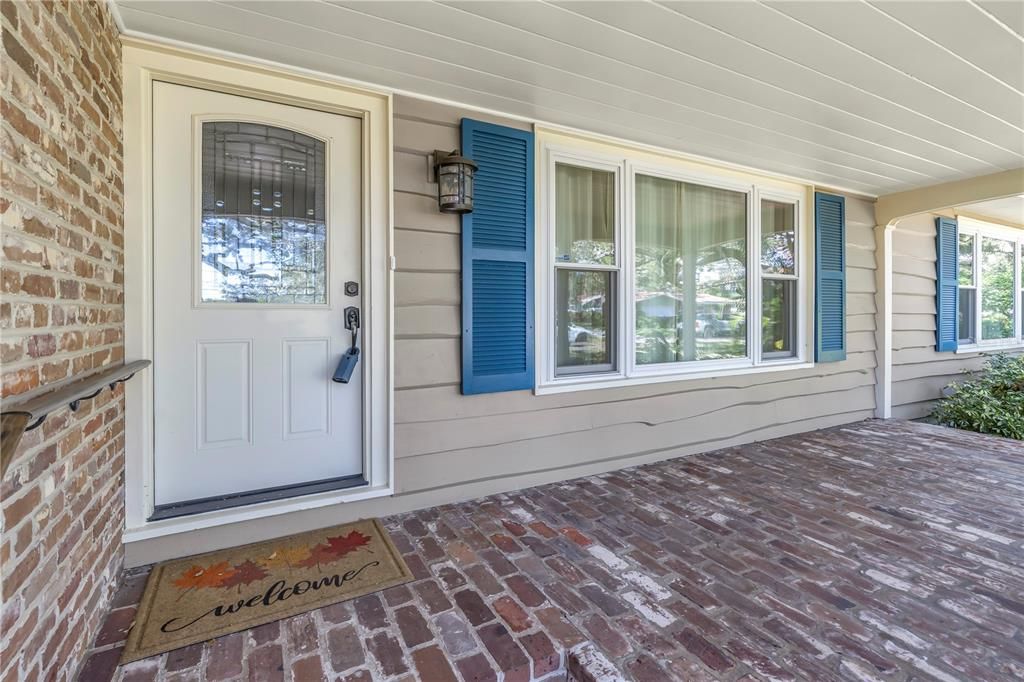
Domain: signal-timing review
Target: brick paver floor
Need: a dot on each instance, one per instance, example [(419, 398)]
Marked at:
[(878, 550)]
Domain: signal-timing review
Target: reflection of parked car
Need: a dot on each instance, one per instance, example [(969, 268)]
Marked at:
[(712, 326), (579, 334)]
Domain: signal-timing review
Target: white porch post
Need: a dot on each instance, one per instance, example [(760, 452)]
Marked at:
[(883, 320)]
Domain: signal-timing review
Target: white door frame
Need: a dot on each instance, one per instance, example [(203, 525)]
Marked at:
[(146, 62)]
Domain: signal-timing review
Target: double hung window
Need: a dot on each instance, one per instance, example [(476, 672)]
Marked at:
[(990, 301), (653, 270)]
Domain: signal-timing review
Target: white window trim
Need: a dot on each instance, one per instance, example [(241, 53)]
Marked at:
[(627, 163), (979, 230)]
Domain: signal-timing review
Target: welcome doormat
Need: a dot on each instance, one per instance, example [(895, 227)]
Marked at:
[(201, 597)]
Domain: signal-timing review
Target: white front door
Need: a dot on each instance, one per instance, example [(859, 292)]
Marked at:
[(257, 224)]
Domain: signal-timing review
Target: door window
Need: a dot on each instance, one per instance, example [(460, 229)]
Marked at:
[(264, 231)]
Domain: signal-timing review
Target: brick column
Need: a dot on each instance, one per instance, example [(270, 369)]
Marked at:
[(61, 316)]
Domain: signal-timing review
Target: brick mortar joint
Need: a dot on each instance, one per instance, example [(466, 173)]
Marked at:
[(66, 250), (51, 217), (56, 358), (111, 201), (21, 333), (51, 302)]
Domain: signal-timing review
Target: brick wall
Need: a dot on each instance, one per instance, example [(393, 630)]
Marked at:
[(60, 317)]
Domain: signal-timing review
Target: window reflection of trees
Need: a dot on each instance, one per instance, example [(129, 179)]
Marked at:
[(263, 260), (997, 289), (691, 273)]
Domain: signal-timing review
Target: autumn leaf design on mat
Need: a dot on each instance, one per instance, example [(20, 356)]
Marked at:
[(246, 572), (223, 575), (197, 577)]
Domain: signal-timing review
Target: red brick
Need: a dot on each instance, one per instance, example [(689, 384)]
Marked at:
[(17, 510), (433, 596), (266, 664), (477, 668), (484, 579), (115, 628), (506, 652), (99, 667), (542, 652), (388, 653), (707, 652), (225, 657), (576, 536), (473, 606), (370, 612), (505, 543), (309, 669), (431, 664), (184, 658), (512, 613), (412, 626), (525, 590), (345, 648), (604, 636)]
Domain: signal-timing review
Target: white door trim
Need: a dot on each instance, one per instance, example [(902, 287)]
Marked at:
[(145, 63)]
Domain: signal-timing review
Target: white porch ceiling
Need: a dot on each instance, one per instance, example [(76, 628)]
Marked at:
[(1008, 209), (873, 97)]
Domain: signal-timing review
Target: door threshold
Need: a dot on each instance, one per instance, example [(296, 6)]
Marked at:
[(219, 502)]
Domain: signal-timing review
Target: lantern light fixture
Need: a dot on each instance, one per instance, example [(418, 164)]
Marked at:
[(454, 181)]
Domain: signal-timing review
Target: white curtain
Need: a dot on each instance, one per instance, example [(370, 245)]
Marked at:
[(690, 270), (584, 215)]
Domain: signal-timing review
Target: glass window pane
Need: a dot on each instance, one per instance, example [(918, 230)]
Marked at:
[(966, 312), (584, 320), (264, 231), (998, 289), (584, 215), (691, 278), (778, 318), (778, 238), (965, 268)]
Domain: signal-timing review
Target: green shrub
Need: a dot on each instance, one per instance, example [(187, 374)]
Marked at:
[(989, 402)]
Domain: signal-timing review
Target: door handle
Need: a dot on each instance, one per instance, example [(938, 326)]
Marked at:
[(347, 364)]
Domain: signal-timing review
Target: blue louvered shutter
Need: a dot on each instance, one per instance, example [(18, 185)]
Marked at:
[(830, 277), (497, 261), (946, 291)]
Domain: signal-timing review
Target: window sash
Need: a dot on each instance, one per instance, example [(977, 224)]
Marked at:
[(627, 370), (979, 231), (554, 265)]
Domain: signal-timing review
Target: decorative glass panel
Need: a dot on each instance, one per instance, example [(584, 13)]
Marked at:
[(778, 238), (691, 276), (965, 260), (584, 215), (778, 317), (998, 289), (264, 232), (584, 320)]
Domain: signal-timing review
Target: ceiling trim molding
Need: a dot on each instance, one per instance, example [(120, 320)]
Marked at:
[(946, 195)]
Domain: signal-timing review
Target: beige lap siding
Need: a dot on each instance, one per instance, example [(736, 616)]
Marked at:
[(60, 316), (919, 372), (483, 443)]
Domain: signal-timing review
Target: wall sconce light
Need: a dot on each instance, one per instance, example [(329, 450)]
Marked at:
[(454, 182)]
